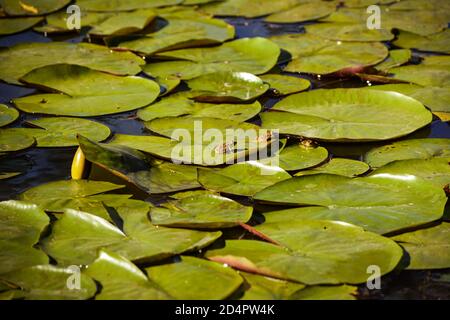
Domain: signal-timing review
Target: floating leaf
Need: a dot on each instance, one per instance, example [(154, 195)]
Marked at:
[(8, 175), (312, 54), (168, 84), (87, 92), (438, 42), (379, 203), (205, 211), (242, 8), (227, 87), (245, 178), (7, 115), (340, 166), (303, 12), (312, 252), (188, 107), (13, 66), (252, 55), (34, 7), (396, 58), (424, 75), (265, 288), (16, 256), (11, 140), (343, 292), (347, 115), (124, 23), (47, 282), (15, 25), (122, 280), (408, 149), (427, 248), (285, 85), (298, 157), (349, 32), (196, 279), (182, 33), (123, 5)]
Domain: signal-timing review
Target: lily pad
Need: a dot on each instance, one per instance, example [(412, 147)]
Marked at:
[(31, 8), (16, 256), (196, 279), (205, 211), (122, 280), (182, 33), (438, 42), (7, 115), (424, 75), (252, 55), (379, 203), (13, 66), (312, 54), (241, 8), (124, 23), (408, 149), (227, 87), (265, 288), (123, 5), (343, 292), (427, 248), (77, 236), (245, 178), (303, 12), (339, 166), (347, 115), (47, 282), (312, 252), (9, 175), (87, 92), (396, 58), (299, 156), (285, 85), (11, 140), (188, 107), (15, 25), (348, 32)]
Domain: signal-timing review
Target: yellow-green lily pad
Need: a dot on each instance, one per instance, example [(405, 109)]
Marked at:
[(285, 85), (303, 12), (15, 25), (7, 115), (340, 166)]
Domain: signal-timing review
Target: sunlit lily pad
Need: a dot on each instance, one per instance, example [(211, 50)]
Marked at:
[(124, 23), (252, 55), (122, 280), (7, 115), (424, 75), (11, 140), (77, 236), (396, 58), (13, 66), (408, 149), (379, 203), (347, 115), (168, 84), (182, 33), (303, 12), (123, 5), (298, 157), (245, 178), (31, 8), (343, 292), (438, 42), (15, 256), (180, 104), (205, 211), (427, 248), (312, 252), (285, 85), (14, 25), (348, 32), (227, 87), (242, 7), (196, 279), (339, 166), (86, 92), (265, 288), (312, 54)]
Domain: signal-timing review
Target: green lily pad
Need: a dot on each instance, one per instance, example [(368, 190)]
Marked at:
[(9, 175), (396, 58), (122, 280), (77, 236), (31, 8), (379, 203), (303, 12), (265, 288), (11, 140), (348, 32), (15, 25), (57, 22), (343, 292), (13, 66), (252, 55), (196, 279), (47, 282), (124, 23), (298, 157), (427, 248), (408, 149), (87, 92), (205, 211), (438, 42), (168, 84), (312, 54), (339, 166), (245, 178), (312, 252), (182, 33), (424, 75), (347, 115), (7, 115), (188, 107), (227, 87), (62, 132), (16, 256), (285, 85), (435, 170), (241, 8), (123, 5)]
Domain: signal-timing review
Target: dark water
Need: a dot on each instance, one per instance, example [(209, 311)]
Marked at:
[(44, 165)]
